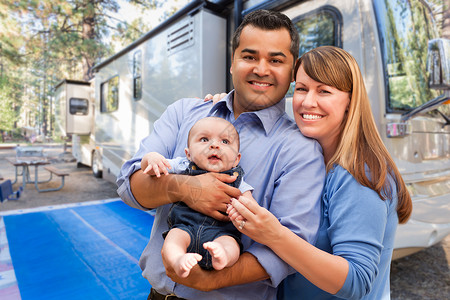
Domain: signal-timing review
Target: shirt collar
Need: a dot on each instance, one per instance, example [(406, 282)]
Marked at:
[(267, 116)]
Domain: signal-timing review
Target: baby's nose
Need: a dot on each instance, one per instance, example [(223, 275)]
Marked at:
[(214, 144)]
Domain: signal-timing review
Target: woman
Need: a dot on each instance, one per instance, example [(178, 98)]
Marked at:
[(364, 197)]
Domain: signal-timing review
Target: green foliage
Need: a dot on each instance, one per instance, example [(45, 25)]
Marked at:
[(45, 41), (8, 115)]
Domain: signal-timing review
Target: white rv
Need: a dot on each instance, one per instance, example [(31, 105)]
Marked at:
[(397, 43)]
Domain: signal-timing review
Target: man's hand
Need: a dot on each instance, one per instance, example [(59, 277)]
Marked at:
[(209, 194)]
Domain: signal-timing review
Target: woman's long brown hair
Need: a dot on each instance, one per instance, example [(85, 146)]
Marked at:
[(360, 144)]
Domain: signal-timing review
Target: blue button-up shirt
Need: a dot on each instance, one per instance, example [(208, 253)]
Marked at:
[(285, 168)]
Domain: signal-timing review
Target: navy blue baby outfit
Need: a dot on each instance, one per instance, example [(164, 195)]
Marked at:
[(200, 227)]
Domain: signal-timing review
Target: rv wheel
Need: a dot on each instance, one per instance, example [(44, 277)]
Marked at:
[(96, 165)]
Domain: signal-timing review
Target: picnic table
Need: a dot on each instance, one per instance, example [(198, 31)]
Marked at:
[(27, 157)]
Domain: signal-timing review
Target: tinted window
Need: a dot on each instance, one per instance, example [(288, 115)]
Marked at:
[(321, 27), (137, 77), (78, 106), (109, 97), (405, 28)]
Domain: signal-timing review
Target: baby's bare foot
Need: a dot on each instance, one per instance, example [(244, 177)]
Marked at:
[(186, 263), (218, 254)]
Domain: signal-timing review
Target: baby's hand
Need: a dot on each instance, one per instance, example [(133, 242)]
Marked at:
[(154, 164), (233, 214)]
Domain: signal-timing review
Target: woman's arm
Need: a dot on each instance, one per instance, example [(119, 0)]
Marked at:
[(325, 270)]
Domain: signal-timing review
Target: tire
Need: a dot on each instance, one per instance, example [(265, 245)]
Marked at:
[(96, 165)]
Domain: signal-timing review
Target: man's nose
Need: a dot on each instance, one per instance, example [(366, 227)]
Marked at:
[(262, 68)]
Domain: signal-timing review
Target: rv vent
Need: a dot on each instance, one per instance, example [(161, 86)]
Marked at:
[(181, 38)]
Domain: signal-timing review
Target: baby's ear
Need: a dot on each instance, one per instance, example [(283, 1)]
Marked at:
[(236, 162), (188, 155)]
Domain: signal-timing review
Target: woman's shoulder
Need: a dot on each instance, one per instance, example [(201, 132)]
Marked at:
[(340, 182), (338, 173)]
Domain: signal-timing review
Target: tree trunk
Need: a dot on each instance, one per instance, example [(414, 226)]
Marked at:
[(88, 35)]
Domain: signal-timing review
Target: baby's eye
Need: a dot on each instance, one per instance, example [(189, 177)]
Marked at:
[(203, 139), (226, 142)]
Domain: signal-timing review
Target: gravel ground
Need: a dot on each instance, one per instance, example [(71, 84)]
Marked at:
[(423, 275), (79, 186)]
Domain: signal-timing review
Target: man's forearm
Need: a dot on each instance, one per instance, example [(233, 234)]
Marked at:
[(246, 270), (152, 192)]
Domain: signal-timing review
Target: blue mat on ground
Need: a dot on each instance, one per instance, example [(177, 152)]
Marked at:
[(79, 252)]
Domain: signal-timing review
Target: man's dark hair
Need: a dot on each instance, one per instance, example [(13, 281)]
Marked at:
[(268, 20)]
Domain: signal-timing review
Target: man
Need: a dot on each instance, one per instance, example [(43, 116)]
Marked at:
[(285, 168)]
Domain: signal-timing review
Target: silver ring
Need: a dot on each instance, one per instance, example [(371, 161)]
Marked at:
[(241, 226)]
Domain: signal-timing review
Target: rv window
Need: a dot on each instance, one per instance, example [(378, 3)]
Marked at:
[(321, 27), (405, 28), (78, 106), (109, 96), (137, 77)]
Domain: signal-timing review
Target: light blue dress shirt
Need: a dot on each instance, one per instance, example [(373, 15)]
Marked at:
[(359, 226), (285, 169)]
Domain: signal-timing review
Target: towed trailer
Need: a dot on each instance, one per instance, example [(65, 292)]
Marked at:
[(398, 45)]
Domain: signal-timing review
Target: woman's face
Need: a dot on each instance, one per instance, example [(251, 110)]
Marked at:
[(319, 109)]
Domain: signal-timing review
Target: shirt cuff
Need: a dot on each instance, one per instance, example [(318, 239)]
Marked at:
[(124, 189), (274, 266)]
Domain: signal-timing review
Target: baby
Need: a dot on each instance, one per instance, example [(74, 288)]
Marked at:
[(212, 146)]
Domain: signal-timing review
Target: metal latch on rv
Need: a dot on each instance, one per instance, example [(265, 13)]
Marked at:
[(401, 128), (439, 70), (398, 129)]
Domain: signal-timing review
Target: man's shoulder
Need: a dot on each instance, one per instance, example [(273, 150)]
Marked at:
[(191, 103), (288, 130)]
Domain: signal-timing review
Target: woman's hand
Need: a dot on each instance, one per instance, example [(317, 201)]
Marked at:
[(216, 98), (254, 221)]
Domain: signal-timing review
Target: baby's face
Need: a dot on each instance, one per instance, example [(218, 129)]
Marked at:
[(214, 146)]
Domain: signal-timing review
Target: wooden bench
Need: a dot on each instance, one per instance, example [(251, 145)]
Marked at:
[(57, 172)]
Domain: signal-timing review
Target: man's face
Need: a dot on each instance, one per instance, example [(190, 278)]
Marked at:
[(261, 68)]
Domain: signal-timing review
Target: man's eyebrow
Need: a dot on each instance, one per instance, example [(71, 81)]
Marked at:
[(252, 51), (277, 54)]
